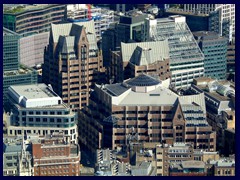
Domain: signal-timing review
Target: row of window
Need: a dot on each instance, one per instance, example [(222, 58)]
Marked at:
[(24, 113)]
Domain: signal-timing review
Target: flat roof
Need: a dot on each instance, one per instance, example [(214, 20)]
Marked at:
[(193, 164), (19, 8), (33, 91)]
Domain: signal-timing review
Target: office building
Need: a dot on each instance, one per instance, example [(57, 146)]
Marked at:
[(143, 109), (13, 72), (84, 12), (220, 104), (37, 109), (195, 21), (72, 62), (27, 19), (55, 156), (186, 58), (214, 49), (130, 27), (222, 17), (32, 22), (32, 49), (231, 62), (133, 59), (17, 157)]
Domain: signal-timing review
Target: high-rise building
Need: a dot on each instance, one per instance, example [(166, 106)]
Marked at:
[(72, 62), (54, 155), (214, 49), (143, 109), (32, 22), (84, 12), (27, 19), (37, 109), (222, 17), (13, 72), (186, 58)]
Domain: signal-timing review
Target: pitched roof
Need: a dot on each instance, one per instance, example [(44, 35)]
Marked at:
[(145, 53)]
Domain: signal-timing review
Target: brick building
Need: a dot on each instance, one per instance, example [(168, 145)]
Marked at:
[(54, 155)]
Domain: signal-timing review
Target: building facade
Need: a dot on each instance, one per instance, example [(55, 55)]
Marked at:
[(72, 62), (214, 49), (32, 19), (13, 72), (220, 104), (37, 109), (222, 17), (33, 23), (55, 156), (186, 58), (116, 114)]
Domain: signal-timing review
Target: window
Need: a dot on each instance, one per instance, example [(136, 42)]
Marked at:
[(30, 112), (59, 120), (45, 112), (52, 113), (30, 119), (37, 119), (38, 112), (51, 120), (23, 113), (44, 119), (59, 112)]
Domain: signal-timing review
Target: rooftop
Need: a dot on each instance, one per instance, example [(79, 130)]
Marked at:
[(145, 53), (193, 164), (33, 91), (20, 8)]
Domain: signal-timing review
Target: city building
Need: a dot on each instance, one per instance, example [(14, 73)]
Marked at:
[(13, 72), (186, 58), (72, 62), (108, 165), (130, 27), (17, 157), (188, 168), (229, 144), (32, 22), (55, 156), (145, 110), (84, 12), (222, 167), (26, 19), (220, 105), (37, 109), (195, 21), (231, 62), (214, 49), (133, 59), (221, 19), (109, 43), (32, 49)]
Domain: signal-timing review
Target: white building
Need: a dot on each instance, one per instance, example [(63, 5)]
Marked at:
[(37, 109)]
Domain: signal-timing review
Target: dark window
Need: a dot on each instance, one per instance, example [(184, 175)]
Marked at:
[(45, 112), (24, 113), (44, 119), (30, 119), (52, 113), (51, 120), (38, 112), (30, 112), (59, 120)]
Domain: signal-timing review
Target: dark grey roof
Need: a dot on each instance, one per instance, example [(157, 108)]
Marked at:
[(142, 80), (116, 89)]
